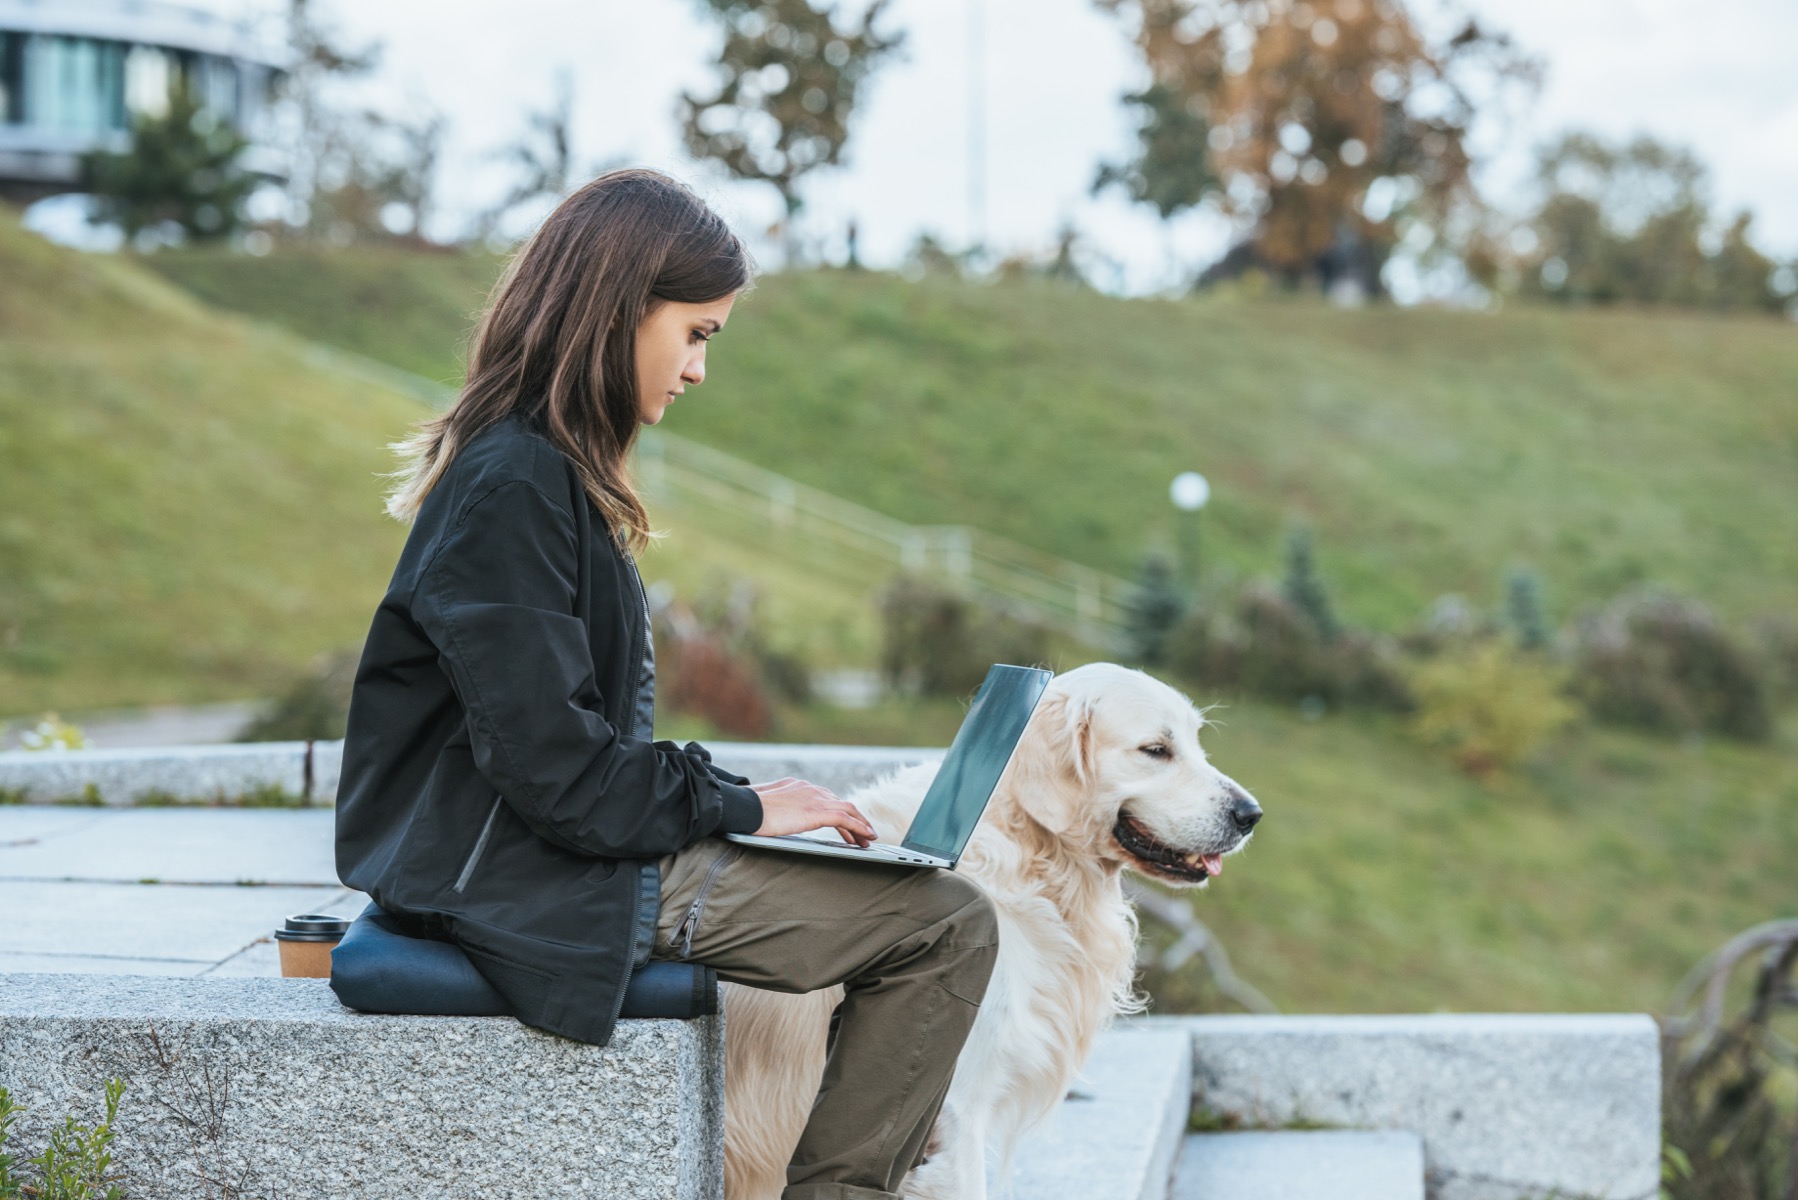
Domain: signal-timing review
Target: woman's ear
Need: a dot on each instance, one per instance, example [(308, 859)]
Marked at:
[(1061, 731)]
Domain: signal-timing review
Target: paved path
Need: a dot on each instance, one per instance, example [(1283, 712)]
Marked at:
[(160, 891), (165, 725)]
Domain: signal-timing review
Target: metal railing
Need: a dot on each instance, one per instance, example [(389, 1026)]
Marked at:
[(825, 530), (678, 473)]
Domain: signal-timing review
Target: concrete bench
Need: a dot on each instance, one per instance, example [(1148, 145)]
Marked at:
[(272, 1087)]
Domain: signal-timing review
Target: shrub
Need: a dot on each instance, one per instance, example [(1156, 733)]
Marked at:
[(1659, 661), (53, 733), (315, 707), (1491, 707), (1451, 620), (1776, 645), (698, 674), (731, 612), (77, 1163), (938, 642), (1274, 651)]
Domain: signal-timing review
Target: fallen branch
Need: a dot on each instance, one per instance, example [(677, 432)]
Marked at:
[(1195, 939)]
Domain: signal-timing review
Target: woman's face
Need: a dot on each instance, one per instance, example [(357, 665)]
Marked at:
[(671, 351)]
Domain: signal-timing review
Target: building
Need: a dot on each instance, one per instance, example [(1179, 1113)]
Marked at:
[(74, 73)]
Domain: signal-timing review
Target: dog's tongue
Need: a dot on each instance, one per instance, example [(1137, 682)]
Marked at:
[(1214, 864)]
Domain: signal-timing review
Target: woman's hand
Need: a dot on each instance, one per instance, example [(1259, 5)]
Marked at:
[(795, 806)]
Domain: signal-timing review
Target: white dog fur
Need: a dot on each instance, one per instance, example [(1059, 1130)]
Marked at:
[(1106, 743)]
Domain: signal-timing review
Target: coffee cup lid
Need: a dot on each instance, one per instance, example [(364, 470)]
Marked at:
[(312, 927)]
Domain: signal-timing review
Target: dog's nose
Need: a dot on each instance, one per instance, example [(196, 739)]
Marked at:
[(1244, 812)]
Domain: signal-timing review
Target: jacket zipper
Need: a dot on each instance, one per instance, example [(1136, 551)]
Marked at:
[(630, 729), (689, 923), (480, 845)]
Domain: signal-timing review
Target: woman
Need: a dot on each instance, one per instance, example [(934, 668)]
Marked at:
[(500, 786)]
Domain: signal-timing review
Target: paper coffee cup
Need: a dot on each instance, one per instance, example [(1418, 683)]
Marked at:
[(306, 942)]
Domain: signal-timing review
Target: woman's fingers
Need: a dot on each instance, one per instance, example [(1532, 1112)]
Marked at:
[(795, 806)]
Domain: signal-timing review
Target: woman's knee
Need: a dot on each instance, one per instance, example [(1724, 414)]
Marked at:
[(972, 919)]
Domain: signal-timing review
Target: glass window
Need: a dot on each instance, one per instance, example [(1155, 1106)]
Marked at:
[(72, 85), (147, 78), (216, 84), (12, 78)]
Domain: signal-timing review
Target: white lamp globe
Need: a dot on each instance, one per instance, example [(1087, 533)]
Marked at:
[(1190, 491)]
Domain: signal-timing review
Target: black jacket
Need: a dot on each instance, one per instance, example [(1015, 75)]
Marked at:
[(495, 790)]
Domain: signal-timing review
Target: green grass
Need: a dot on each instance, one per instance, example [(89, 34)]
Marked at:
[(400, 306), (197, 510), (1429, 450), (1382, 880), (187, 510)]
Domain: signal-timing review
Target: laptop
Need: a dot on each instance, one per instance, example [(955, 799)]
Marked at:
[(964, 783)]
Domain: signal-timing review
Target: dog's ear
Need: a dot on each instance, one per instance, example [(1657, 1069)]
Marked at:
[(1063, 726)]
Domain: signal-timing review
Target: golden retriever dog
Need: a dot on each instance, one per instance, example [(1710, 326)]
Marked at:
[(1108, 776)]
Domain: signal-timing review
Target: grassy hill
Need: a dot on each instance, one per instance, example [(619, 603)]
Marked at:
[(1429, 450), (190, 504), (188, 510)]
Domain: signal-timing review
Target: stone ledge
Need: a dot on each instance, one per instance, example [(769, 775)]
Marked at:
[(1508, 1106), (1320, 1164), (308, 772), (275, 1087), (261, 772), (1118, 1133)]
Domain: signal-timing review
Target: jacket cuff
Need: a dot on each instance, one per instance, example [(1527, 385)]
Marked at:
[(742, 809)]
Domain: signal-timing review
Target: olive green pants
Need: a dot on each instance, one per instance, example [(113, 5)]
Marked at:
[(912, 946)]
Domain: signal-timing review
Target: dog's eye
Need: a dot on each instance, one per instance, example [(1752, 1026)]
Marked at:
[(1157, 750)]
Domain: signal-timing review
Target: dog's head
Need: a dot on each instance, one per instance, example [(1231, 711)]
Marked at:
[(1124, 778)]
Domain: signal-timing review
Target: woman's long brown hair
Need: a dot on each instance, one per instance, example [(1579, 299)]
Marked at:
[(558, 341)]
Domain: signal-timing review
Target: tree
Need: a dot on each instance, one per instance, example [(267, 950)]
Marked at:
[(1525, 612), (353, 173), (1304, 589), (789, 77), (316, 60), (1153, 610), (1630, 222), (1322, 126), (543, 157), (182, 168), (376, 177)]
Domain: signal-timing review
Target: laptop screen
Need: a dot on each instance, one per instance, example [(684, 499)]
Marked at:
[(976, 759)]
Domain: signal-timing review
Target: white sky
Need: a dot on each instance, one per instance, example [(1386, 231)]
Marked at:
[(1718, 76)]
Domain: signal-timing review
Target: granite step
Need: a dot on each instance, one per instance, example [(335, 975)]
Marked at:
[(1300, 1165)]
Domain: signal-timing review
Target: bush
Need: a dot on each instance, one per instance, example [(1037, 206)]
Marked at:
[(1659, 661), (1273, 650), (1776, 645), (711, 659), (315, 708), (938, 642), (76, 1165), (1451, 620), (1490, 706), (732, 613), (53, 733), (699, 675)]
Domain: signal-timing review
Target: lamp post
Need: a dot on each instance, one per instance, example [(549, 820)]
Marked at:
[(1189, 492)]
